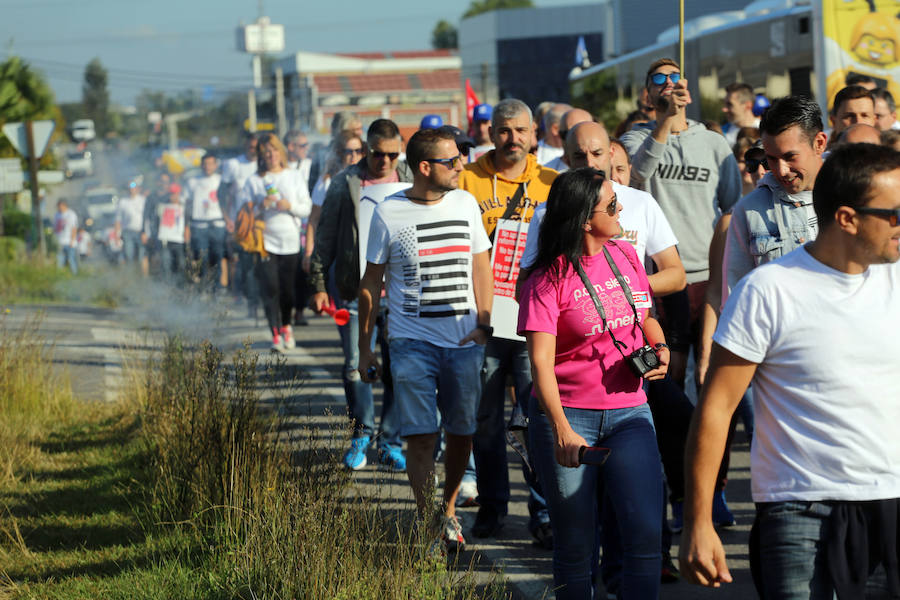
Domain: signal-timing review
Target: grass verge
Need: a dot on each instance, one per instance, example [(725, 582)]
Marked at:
[(195, 490)]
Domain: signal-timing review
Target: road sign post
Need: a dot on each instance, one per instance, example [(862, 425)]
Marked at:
[(35, 197), (30, 139)]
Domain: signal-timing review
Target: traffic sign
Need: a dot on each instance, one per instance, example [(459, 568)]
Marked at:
[(42, 130)]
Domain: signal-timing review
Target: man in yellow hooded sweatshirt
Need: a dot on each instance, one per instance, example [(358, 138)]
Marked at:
[(508, 184)]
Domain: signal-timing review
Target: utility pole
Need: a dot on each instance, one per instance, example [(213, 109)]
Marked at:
[(279, 102)]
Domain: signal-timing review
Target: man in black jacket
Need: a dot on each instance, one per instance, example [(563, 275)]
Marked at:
[(336, 256)]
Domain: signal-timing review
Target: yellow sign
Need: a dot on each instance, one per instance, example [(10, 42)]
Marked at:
[(861, 37)]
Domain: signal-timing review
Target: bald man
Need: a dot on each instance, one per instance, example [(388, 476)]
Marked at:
[(642, 221), (861, 133), (569, 120)]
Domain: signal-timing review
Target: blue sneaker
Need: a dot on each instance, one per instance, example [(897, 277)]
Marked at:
[(392, 458), (721, 515), (677, 522), (355, 458)]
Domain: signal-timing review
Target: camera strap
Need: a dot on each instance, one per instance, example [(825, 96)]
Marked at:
[(626, 289)]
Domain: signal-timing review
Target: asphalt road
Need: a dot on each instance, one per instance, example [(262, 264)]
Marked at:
[(94, 344)]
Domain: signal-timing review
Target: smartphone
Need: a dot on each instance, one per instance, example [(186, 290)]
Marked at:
[(593, 455)]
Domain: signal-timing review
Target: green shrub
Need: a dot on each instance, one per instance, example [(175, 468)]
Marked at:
[(11, 249), (16, 223)]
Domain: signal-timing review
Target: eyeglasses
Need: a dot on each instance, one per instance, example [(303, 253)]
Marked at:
[(660, 78), (754, 158), (611, 208), (892, 214), (450, 163), (353, 151), (379, 155)]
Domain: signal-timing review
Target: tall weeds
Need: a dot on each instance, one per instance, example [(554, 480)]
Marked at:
[(32, 395), (280, 514)]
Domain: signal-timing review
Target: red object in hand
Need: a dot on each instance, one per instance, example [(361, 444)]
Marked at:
[(341, 316)]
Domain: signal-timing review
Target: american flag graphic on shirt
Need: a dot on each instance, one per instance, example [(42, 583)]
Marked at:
[(437, 259)]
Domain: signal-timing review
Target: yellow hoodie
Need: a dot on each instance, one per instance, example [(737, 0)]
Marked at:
[(493, 192)]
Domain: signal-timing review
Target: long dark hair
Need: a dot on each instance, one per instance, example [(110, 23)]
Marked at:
[(572, 199)]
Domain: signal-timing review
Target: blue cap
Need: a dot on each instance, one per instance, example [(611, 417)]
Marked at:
[(760, 104), (462, 140), (431, 122), (482, 112)]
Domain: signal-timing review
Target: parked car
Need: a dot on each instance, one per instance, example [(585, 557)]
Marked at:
[(99, 201), (79, 164)]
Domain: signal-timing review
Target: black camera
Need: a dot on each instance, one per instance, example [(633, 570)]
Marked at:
[(642, 360)]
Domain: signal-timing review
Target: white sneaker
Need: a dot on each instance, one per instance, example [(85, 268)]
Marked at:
[(276, 343), (288, 336), (468, 494)]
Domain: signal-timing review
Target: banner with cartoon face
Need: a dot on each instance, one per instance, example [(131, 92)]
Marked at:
[(858, 37)]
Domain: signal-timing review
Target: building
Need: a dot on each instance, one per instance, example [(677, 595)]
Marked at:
[(403, 86), (527, 53)]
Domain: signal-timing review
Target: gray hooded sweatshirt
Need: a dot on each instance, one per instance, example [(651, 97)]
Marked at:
[(766, 224), (694, 178)]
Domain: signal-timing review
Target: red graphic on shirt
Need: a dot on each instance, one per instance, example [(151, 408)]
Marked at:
[(214, 195), (507, 257), (168, 217), (443, 250)]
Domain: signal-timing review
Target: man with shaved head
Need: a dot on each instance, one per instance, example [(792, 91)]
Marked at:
[(569, 120), (861, 133), (550, 145)]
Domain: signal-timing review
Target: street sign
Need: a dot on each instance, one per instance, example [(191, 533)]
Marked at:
[(12, 179), (42, 132)]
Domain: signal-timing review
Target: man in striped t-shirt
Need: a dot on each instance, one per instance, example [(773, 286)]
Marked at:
[(428, 243)]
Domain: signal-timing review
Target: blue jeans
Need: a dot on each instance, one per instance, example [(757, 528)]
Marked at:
[(502, 357), (631, 479), (360, 402), (133, 248), (787, 553), (435, 386), (173, 261), (208, 246), (68, 255)]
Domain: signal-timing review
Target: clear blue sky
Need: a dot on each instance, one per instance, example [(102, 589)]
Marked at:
[(171, 45)]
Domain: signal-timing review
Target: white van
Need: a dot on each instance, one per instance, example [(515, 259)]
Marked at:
[(83, 130)]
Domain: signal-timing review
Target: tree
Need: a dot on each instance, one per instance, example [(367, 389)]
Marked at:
[(476, 7), (95, 96), (444, 35), (25, 95)]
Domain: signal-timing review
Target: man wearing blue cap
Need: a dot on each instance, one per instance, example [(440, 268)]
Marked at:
[(481, 129), (431, 122)]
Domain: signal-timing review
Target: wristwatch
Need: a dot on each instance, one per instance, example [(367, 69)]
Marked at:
[(486, 328), (660, 346)]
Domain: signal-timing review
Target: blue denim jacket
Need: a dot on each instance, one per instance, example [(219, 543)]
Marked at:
[(765, 224)]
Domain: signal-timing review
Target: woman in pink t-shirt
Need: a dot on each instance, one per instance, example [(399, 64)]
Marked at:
[(585, 393)]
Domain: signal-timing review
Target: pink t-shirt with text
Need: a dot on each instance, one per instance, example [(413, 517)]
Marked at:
[(590, 372)]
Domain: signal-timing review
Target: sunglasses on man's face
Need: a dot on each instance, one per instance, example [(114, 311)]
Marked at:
[(380, 155), (755, 158), (892, 214), (450, 163), (660, 78)]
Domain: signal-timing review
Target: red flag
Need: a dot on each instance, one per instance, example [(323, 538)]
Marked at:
[(471, 101)]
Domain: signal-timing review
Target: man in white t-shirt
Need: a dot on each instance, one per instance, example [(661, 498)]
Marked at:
[(206, 220), (430, 246), (130, 225), (814, 331), (643, 223), (65, 226)]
